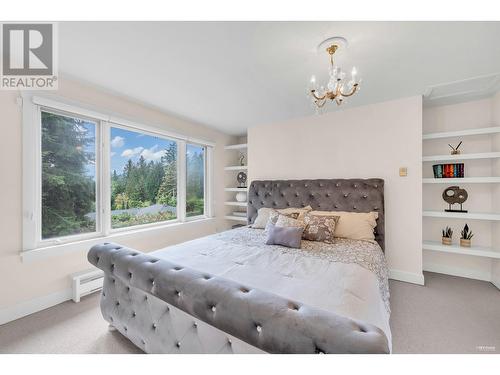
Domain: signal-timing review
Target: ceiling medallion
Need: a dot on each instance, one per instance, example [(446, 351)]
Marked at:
[(338, 86)]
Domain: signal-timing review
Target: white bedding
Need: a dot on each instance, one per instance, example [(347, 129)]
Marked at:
[(348, 277)]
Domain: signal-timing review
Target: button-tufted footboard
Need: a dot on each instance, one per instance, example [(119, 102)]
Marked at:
[(261, 319)]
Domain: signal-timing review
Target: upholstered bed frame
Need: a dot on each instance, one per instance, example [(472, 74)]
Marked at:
[(352, 195), (167, 308)]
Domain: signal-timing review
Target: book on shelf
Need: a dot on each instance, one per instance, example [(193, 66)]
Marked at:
[(456, 170), (240, 213)]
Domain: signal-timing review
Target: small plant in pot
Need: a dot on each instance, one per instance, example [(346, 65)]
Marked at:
[(447, 234), (465, 236)]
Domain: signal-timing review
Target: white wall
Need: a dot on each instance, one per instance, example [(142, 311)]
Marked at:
[(363, 142), (21, 282), (474, 114)]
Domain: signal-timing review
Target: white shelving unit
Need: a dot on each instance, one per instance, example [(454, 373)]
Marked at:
[(490, 156), (236, 218), (462, 133), (460, 157), (235, 189), (241, 146), (477, 251), (463, 180), (460, 215), (239, 204), (230, 198)]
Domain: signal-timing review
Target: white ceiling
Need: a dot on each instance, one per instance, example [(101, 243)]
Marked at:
[(233, 75)]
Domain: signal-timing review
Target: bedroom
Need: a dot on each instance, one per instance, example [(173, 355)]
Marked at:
[(250, 186)]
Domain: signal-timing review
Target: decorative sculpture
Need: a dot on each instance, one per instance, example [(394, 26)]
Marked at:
[(455, 195), (455, 150), (242, 179)]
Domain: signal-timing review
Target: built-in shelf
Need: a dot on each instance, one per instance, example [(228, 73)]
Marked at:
[(462, 133), (239, 204), (482, 155), (244, 189), (464, 180), (241, 146), (236, 168), (477, 251), (462, 215), (235, 218)]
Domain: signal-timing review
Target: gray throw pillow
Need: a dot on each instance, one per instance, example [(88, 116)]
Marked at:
[(285, 236)]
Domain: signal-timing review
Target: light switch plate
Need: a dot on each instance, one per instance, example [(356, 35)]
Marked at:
[(403, 171)]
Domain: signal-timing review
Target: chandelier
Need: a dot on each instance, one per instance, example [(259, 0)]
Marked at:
[(338, 87)]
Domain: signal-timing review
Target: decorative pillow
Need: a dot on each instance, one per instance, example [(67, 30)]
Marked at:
[(264, 214), (319, 227), (262, 218), (294, 213), (353, 225), (288, 221), (285, 236)]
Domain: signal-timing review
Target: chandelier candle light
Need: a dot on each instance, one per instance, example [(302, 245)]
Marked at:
[(338, 87)]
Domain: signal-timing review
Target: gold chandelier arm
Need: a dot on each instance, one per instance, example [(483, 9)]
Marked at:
[(354, 89), (320, 103), (313, 93)]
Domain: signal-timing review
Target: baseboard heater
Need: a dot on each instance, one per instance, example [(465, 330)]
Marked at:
[(86, 282)]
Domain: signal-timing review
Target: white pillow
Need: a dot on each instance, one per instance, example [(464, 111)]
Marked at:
[(262, 217), (353, 225)]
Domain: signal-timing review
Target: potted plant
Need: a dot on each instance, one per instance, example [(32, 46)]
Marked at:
[(465, 236), (447, 234)]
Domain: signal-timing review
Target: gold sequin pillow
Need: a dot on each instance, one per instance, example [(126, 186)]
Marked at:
[(294, 213), (289, 221), (319, 227)]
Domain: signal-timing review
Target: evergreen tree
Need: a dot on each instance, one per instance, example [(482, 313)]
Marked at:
[(68, 192), (167, 193)]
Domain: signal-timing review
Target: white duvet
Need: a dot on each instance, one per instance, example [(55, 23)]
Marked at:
[(348, 277)]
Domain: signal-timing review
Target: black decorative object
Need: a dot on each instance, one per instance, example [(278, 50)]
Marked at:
[(455, 195), (242, 179)]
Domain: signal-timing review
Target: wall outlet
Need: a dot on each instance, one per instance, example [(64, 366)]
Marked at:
[(403, 172)]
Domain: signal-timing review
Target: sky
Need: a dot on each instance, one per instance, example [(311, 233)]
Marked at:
[(126, 144)]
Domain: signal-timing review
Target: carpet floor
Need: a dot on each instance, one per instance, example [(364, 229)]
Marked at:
[(447, 315)]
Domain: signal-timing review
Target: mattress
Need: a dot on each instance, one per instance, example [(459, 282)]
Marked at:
[(348, 277)]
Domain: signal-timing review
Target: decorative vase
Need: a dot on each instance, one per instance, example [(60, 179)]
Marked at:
[(464, 243), (446, 240), (241, 196)]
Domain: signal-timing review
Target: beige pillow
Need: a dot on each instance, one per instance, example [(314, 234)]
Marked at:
[(353, 225), (262, 217), (319, 227)]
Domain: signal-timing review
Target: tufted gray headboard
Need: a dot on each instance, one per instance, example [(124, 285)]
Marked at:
[(353, 195)]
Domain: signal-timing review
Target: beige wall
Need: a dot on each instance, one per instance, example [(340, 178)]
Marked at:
[(21, 282), (363, 142)]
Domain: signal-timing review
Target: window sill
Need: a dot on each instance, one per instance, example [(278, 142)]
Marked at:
[(60, 249)]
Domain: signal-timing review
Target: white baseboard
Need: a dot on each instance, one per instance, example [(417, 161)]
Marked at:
[(409, 277), (455, 271), (32, 306)]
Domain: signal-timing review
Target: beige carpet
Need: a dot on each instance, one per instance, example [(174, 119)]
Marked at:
[(448, 315)]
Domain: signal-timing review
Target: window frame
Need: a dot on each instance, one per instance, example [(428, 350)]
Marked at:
[(205, 180), (32, 172)]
